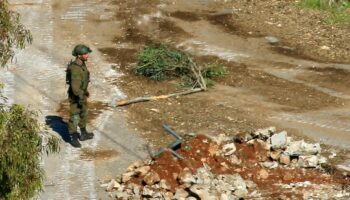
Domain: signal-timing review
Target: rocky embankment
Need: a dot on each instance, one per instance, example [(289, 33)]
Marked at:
[(265, 164)]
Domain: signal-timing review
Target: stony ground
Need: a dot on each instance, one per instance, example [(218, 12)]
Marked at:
[(263, 165)]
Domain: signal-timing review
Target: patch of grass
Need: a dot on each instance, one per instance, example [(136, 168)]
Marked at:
[(337, 9), (162, 62)]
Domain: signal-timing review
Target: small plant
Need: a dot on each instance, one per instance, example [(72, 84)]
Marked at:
[(337, 9), (161, 62)]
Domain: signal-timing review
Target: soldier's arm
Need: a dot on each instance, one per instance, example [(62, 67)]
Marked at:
[(76, 81)]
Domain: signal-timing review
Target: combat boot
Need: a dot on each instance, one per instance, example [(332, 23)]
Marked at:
[(85, 135), (74, 140)]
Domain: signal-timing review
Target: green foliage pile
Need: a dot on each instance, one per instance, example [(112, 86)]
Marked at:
[(21, 144), (12, 33), (338, 9), (162, 62)]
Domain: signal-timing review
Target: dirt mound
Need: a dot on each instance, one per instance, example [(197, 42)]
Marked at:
[(263, 164)]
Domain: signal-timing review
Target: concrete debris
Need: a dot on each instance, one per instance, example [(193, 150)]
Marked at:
[(279, 140), (264, 134), (151, 178), (229, 149), (277, 151), (300, 148)]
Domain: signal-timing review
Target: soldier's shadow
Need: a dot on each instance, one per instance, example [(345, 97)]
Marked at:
[(57, 124)]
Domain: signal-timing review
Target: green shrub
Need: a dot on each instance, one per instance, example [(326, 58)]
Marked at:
[(21, 145)]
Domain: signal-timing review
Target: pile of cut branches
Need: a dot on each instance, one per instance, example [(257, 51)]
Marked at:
[(162, 62)]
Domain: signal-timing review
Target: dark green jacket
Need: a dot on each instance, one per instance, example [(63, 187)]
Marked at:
[(79, 78)]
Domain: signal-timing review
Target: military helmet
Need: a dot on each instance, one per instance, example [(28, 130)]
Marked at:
[(81, 49)]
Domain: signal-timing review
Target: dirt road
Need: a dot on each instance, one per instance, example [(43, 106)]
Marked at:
[(37, 79), (267, 85)]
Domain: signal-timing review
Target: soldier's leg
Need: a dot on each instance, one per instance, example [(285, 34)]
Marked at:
[(74, 117), (83, 112), (82, 123), (73, 123)]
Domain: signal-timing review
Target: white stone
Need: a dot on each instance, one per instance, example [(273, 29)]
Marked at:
[(202, 191), (186, 177), (180, 194), (299, 148), (113, 184), (272, 40), (264, 133), (279, 140), (148, 192), (151, 178), (269, 165), (142, 171), (127, 176), (308, 161), (229, 149)]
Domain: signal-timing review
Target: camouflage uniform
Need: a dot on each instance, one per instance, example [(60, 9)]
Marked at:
[(77, 93)]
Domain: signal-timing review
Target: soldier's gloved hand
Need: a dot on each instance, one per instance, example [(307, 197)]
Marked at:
[(87, 94)]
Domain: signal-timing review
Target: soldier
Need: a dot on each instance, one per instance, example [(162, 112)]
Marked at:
[(78, 78)]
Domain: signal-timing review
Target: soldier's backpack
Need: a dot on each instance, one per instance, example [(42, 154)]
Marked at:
[(68, 73)]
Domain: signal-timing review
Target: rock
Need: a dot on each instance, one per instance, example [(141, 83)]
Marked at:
[(242, 138), (191, 198), (168, 195), (287, 177), (275, 155), (344, 168), (284, 159), (113, 184), (226, 197), (164, 185), (272, 40), (238, 183), (221, 138), (264, 134), (213, 149), (142, 171), (234, 160), (180, 194), (203, 176), (185, 176), (250, 184), (121, 195), (135, 165), (202, 191), (322, 160), (263, 174), (127, 176), (147, 192), (136, 189), (300, 148), (279, 140), (308, 161), (269, 165), (229, 149), (151, 178)]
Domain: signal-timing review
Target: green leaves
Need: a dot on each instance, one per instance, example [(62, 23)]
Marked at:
[(12, 33), (162, 62), (21, 142)]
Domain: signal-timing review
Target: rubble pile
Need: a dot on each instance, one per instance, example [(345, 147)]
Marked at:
[(264, 164)]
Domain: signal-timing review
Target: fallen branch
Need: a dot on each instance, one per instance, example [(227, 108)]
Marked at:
[(143, 99)]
